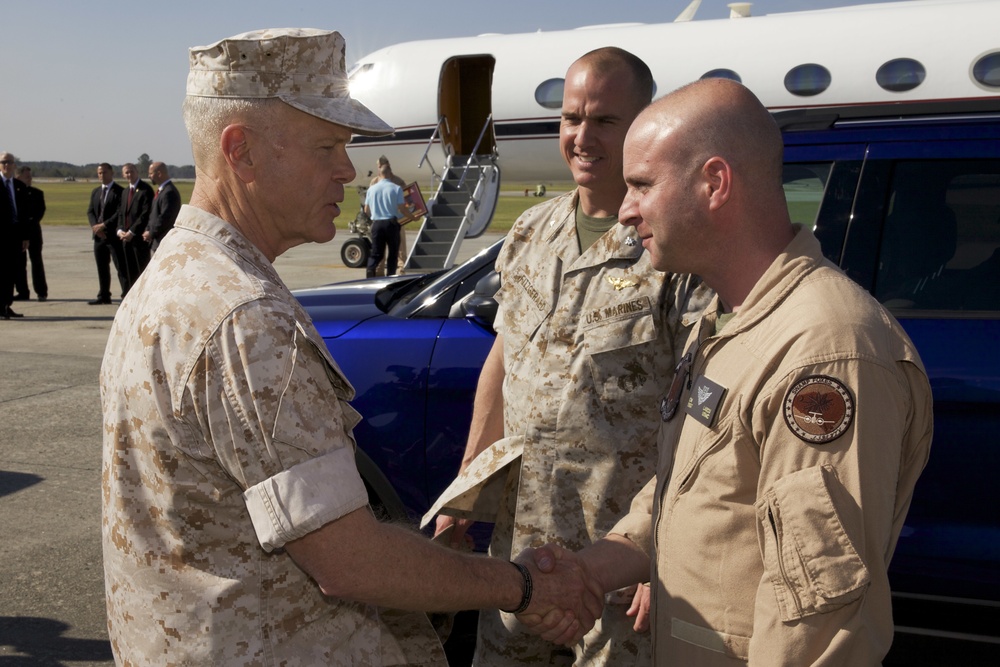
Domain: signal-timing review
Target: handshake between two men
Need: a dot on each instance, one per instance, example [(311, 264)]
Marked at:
[(565, 597)]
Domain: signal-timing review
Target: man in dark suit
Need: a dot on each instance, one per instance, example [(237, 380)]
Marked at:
[(32, 217), (13, 233), (166, 205), (105, 201), (133, 218)]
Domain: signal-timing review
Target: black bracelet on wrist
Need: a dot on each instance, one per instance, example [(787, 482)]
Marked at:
[(525, 590)]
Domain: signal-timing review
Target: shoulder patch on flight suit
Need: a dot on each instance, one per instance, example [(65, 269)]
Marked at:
[(818, 409)]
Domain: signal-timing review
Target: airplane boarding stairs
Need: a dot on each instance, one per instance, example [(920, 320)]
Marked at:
[(462, 207)]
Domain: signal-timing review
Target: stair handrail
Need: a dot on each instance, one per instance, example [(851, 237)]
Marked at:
[(434, 135), (475, 150)]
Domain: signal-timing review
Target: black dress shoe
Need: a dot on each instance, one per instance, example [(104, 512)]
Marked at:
[(10, 313), (43, 298), (99, 302)]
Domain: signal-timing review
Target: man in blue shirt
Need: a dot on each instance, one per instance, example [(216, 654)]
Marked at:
[(384, 201)]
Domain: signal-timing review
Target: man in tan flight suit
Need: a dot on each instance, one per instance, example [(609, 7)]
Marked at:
[(586, 336), (236, 528), (798, 424)]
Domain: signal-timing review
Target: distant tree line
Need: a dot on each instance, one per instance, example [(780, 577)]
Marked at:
[(65, 170)]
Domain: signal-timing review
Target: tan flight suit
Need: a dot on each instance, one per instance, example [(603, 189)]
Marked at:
[(588, 347), (798, 443), (227, 434)]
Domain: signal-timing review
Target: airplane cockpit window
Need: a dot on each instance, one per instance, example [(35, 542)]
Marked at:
[(900, 75), (359, 68), (549, 93), (806, 80), (722, 73), (359, 77), (986, 70)]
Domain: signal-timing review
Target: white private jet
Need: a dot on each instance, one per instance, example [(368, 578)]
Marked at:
[(493, 101)]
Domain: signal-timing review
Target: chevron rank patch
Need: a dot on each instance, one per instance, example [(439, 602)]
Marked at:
[(818, 409)]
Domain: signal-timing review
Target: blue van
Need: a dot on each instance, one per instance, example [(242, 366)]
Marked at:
[(906, 199)]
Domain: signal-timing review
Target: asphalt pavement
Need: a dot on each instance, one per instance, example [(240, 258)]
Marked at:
[(51, 579)]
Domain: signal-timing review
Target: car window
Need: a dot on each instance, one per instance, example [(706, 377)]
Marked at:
[(804, 185), (439, 293), (400, 293), (940, 246)]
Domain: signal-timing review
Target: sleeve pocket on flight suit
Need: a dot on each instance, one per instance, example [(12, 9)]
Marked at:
[(808, 556)]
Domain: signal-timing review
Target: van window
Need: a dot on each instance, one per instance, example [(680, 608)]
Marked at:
[(940, 247), (804, 185)]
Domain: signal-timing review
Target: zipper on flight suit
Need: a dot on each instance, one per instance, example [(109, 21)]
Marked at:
[(781, 562)]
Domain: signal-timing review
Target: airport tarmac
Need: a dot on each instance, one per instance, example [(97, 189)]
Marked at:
[(51, 578)]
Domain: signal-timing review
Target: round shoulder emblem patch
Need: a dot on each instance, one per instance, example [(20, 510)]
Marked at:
[(819, 409)]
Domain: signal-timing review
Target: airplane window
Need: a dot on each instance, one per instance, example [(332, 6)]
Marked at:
[(722, 74), (986, 71), (900, 75), (808, 79), (549, 93)]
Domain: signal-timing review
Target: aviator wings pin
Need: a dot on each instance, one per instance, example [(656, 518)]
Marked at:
[(621, 283)]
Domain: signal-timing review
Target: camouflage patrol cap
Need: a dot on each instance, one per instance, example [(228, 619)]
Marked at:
[(302, 67)]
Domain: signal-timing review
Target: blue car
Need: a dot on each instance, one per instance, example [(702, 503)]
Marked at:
[(413, 347), (906, 199)]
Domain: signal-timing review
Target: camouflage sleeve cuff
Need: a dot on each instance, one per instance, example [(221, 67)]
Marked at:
[(499, 319), (304, 498)]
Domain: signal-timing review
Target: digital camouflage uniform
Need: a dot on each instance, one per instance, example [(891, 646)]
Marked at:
[(227, 434), (588, 348), (801, 435)]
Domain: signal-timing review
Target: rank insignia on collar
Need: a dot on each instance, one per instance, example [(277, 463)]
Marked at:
[(818, 409), (629, 241), (621, 283)]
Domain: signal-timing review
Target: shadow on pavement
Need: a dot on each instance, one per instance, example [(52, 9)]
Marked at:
[(40, 642), (12, 482)]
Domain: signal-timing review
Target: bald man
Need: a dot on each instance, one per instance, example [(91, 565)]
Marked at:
[(797, 424), (565, 413), (166, 205)]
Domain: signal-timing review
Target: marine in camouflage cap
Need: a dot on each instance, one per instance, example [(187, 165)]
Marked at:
[(236, 527), (303, 67)]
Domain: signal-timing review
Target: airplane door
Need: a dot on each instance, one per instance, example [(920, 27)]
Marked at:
[(465, 100)]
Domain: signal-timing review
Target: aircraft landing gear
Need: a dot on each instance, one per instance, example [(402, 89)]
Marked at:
[(355, 252)]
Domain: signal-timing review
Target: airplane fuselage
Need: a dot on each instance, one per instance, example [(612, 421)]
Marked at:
[(953, 42)]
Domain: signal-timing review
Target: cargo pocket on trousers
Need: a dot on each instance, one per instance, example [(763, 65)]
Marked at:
[(807, 554)]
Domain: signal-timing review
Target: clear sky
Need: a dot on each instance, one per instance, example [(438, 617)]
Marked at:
[(103, 80)]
